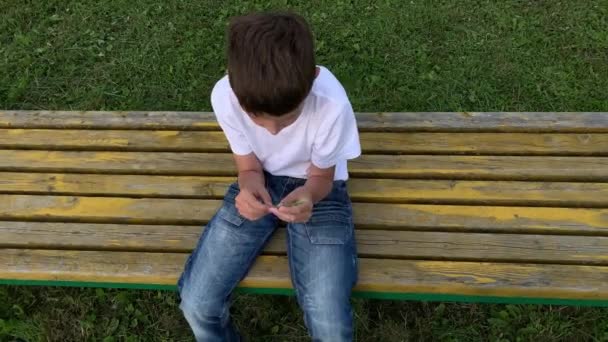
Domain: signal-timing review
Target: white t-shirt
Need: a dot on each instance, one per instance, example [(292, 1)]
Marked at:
[(325, 134)]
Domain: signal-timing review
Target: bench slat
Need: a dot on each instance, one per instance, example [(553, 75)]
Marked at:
[(371, 243), (114, 140), (366, 190), (370, 166), (433, 121), (118, 185), (107, 120), (485, 143), (386, 143), (482, 167), (369, 215), (480, 192), (393, 276)]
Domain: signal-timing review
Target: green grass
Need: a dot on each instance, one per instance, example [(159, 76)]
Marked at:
[(71, 314), (391, 55)]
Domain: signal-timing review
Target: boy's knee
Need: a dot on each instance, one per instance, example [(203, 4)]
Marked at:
[(200, 309), (201, 300), (209, 321), (329, 315)]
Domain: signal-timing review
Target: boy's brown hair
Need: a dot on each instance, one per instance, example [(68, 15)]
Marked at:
[(271, 61)]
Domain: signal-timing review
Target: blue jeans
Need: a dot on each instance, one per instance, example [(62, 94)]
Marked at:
[(322, 262)]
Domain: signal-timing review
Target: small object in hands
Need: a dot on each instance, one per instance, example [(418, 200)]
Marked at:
[(290, 204)]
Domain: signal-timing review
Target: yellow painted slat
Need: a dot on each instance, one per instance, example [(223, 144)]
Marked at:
[(403, 143), (370, 243), (585, 122), (113, 140), (382, 216), (480, 192), (107, 209), (489, 218), (485, 143), (368, 190), (119, 162), (98, 236), (398, 276), (371, 166), (482, 167), (118, 185), (107, 120), (408, 121)]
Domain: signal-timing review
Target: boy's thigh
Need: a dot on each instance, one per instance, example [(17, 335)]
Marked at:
[(322, 252), (226, 249)]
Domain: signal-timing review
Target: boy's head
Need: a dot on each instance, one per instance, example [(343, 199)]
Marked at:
[(271, 62)]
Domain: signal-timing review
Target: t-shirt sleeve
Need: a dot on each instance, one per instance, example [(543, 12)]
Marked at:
[(337, 139), (226, 117)]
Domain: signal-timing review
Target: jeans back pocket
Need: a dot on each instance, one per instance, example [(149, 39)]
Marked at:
[(329, 229)]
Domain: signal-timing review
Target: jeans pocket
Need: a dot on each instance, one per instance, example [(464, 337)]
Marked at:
[(229, 216), (332, 229)]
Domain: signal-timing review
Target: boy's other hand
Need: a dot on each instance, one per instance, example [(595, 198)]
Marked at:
[(296, 207), (253, 201)]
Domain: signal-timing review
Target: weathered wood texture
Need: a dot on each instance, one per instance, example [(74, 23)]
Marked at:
[(370, 215), (371, 166), (389, 244), (360, 189), (404, 122), (377, 275), (481, 204), (380, 143)]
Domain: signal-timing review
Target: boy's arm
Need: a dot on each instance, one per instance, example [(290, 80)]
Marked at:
[(249, 168), (320, 182)]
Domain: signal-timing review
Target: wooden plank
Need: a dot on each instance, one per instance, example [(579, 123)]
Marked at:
[(396, 276), (386, 143), (107, 120), (525, 248), (370, 166), (113, 140), (476, 247), (107, 209), (366, 215), (115, 185), (212, 164), (485, 143), (586, 122), (484, 219), (480, 192), (97, 236), (482, 167), (361, 190)]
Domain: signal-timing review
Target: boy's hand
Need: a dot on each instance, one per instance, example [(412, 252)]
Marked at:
[(253, 201), (296, 207)]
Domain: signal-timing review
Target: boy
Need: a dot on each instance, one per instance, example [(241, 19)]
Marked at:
[(291, 129)]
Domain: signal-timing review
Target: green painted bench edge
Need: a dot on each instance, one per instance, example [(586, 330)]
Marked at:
[(427, 297)]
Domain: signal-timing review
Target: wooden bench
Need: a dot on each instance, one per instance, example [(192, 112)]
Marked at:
[(489, 207)]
